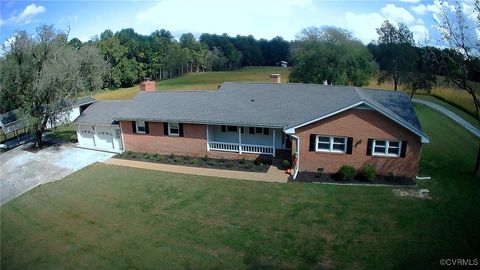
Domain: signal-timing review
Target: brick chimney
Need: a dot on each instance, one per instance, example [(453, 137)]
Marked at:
[(147, 86), (276, 78)]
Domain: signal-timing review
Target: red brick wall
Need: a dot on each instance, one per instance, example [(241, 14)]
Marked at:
[(193, 143), (361, 125)]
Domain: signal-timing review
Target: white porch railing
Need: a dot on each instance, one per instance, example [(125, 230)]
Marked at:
[(241, 148)]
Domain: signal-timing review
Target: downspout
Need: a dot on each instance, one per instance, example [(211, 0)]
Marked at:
[(298, 156), (121, 136)]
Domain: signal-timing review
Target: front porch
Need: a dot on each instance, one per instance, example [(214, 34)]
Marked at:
[(245, 140)]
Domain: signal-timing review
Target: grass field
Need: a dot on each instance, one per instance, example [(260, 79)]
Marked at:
[(106, 217), (202, 81)]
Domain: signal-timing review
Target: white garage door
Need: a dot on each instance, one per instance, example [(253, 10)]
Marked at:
[(85, 136), (100, 137)]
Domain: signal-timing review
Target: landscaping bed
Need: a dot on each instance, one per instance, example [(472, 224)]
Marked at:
[(258, 165), (335, 179)]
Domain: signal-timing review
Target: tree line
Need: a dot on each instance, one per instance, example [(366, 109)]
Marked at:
[(133, 57)]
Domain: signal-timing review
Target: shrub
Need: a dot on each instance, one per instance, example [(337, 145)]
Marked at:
[(155, 156), (195, 162), (228, 164), (172, 156), (205, 158), (390, 176), (159, 158), (222, 160), (146, 156), (286, 164), (346, 172), (242, 161), (369, 172), (248, 165), (179, 159), (212, 163), (129, 153)]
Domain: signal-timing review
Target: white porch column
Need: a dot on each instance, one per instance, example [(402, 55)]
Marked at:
[(273, 142), (239, 140), (208, 140)]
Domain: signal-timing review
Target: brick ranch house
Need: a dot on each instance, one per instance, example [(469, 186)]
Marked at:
[(323, 126)]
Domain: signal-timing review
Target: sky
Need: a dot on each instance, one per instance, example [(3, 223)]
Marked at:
[(260, 18)]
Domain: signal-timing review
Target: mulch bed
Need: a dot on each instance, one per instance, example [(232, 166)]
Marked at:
[(259, 165), (310, 177)]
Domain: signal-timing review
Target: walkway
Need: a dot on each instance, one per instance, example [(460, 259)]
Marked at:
[(272, 175), (451, 115)]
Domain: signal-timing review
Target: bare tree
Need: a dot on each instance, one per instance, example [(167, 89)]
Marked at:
[(459, 31)]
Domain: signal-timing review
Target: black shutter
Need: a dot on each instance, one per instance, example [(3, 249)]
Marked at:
[(251, 130), (403, 151), (266, 131), (180, 128), (146, 127), (224, 128), (312, 142), (241, 129), (349, 145), (134, 127), (369, 147), (165, 129)]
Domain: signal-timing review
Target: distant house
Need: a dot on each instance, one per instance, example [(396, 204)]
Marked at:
[(283, 63), (323, 127)]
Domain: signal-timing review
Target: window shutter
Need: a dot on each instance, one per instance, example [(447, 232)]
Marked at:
[(251, 130), (146, 127), (241, 129), (349, 145), (165, 129), (403, 151), (224, 128), (134, 127), (266, 131), (369, 147), (312, 142), (180, 129)]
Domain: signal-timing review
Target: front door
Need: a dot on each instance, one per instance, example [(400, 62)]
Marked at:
[(287, 141)]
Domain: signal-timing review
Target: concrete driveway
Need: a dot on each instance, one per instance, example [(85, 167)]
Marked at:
[(21, 170)]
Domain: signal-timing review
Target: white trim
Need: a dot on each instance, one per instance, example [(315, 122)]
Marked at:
[(422, 137), (297, 167), (144, 127), (173, 134), (273, 142), (121, 134), (387, 146), (331, 142), (208, 145), (239, 130), (292, 129)]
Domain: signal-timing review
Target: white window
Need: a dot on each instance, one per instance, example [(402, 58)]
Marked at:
[(140, 126), (173, 129), (386, 148), (331, 144)]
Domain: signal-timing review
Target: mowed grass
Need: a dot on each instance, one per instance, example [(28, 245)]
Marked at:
[(110, 217), (462, 113), (201, 81)]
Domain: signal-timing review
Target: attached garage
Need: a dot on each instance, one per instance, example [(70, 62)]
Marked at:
[(96, 128)]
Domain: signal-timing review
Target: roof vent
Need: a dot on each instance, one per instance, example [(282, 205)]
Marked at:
[(252, 100)]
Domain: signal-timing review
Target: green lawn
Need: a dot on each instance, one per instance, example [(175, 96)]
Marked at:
[(201, 81), (66, 133), (468, 117), (108, 217)]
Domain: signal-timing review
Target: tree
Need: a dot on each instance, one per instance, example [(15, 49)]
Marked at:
[(45, 74), (331, 54), (396, 53), (458, 32)]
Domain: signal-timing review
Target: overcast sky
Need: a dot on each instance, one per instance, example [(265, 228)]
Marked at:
[(261, 18)]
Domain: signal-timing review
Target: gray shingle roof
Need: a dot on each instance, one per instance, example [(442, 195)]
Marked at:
[(265, 104), (101, 112)]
